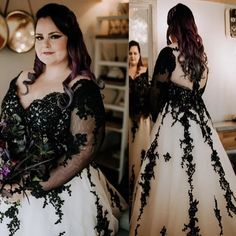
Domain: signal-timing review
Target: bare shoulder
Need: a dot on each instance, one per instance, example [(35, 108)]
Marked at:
[(143, 69), (78, 78)]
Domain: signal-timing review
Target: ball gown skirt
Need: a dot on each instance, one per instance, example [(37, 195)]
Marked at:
[(138, 144), (92, 204), (190, 198)]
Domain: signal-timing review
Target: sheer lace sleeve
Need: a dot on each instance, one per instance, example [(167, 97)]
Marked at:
[(86, 134), (165, 64), (8, 99)]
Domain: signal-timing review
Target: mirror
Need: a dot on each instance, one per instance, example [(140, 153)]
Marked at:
[(21, 31), (140, 29), (3, 32)]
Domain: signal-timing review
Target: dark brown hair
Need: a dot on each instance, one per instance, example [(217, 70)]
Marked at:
[(79, 59), (133, 43), (181, 24)]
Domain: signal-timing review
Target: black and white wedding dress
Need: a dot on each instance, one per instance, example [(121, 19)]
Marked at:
[(139, 125), (90, 206), (186, 185)]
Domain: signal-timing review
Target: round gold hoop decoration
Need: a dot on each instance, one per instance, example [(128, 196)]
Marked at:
[(3, 32), (21, 31)]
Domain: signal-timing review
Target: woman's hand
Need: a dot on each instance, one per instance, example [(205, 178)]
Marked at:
[(44, 185), (10, 192)]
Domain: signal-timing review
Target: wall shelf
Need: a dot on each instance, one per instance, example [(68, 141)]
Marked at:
[(112, 63), (113, 157)]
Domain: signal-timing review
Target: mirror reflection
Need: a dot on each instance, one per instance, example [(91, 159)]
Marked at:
[(139, 29), (21, 31), (3, 32)]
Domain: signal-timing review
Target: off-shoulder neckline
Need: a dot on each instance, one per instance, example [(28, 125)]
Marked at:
[(46, 96)]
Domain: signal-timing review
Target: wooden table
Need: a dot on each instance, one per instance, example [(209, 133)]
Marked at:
[(227, 134)]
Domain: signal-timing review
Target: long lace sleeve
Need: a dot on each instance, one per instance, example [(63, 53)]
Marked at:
[(86, 134), (7, 99), (165, 64)]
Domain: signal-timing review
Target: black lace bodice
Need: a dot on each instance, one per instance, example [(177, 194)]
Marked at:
[(180, 100), (138, 96), (44, 120), (164, 89), (75, 132)]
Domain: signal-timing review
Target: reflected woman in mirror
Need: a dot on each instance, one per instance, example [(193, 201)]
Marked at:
[(52, 126), (139, 124), (186, 185)]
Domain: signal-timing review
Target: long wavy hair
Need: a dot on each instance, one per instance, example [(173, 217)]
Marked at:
[(181, 24), (78, 57), (133, 43)]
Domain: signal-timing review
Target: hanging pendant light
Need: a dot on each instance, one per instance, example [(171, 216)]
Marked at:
[(21, 29)]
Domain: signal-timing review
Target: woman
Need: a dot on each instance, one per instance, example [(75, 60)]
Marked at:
[(139, 124), (60, 110), (186, 184)]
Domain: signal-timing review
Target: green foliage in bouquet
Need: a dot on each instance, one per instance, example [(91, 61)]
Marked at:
[(21, 160), (25, 163)]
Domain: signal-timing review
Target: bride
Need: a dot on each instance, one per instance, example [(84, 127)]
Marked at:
[(59, 111), (186, 185)]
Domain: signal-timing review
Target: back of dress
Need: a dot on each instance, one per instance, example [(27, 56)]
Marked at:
[(186, 178), (168, 76)]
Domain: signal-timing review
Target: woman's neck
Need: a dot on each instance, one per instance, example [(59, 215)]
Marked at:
[(56, 71), (133, 70)]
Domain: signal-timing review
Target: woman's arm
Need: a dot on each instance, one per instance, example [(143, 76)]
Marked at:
[(165, 64), (86, 135)]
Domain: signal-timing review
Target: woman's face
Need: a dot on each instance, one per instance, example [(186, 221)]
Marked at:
[(134, 56), (51, 43)]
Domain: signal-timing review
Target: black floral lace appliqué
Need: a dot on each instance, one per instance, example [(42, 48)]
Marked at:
[(163, 231), (102, 227), (218, 216), (167, 157), (185, 106), (49, 123)]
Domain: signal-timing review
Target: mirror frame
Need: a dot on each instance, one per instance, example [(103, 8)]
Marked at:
[(11, 35), (150, 7)]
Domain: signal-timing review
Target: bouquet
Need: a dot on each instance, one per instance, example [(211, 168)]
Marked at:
[(22, 161), (25, 160)]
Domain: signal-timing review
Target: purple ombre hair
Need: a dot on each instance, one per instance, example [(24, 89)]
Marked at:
[(79, 59), (181, 24)]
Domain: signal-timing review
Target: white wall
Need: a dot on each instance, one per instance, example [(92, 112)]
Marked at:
[(220, 94), (86, 11)]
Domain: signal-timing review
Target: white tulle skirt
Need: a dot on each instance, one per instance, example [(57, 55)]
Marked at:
[(138, 144), (80, 210), (167, 208)]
